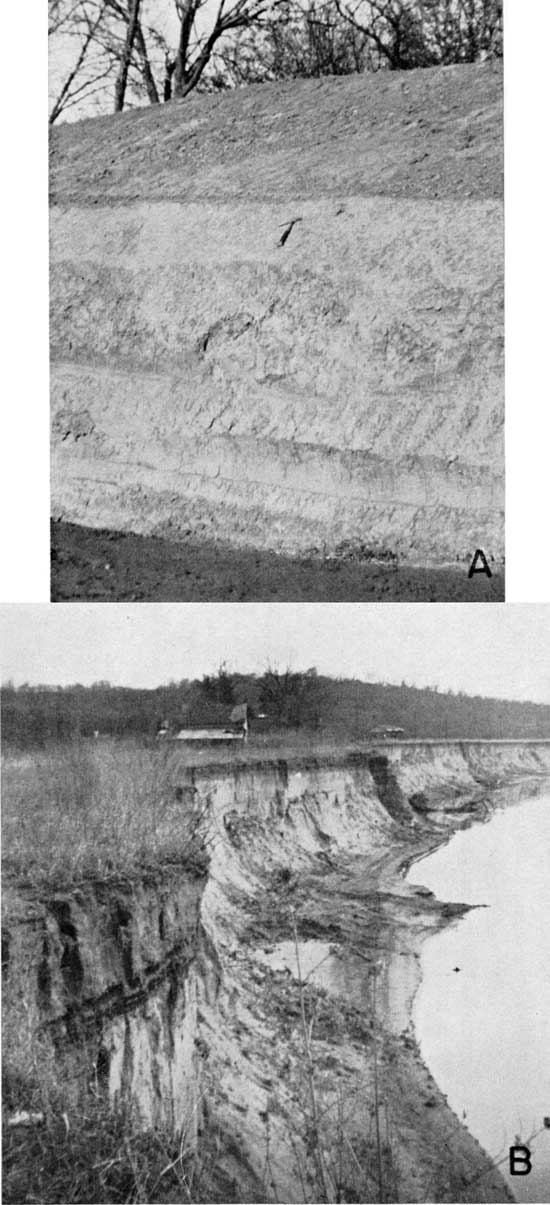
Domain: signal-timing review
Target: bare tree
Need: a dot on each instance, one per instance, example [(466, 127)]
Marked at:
[(299, 42), (80, 22), (307, 38), (185, 68), (112, 45), (114, 51), (290, 698), (424, 33), (395, 29), (139, 57)]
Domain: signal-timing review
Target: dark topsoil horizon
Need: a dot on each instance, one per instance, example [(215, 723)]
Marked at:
[(433, 132), (109, 566)]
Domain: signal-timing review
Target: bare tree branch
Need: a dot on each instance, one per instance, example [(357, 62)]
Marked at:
[(144, 65), (62, 98)]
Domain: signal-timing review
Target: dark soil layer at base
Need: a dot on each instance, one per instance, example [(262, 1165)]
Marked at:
[(110, 566)]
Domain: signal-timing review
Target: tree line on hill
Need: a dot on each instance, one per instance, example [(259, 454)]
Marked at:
[(111, 54), (278, 700)]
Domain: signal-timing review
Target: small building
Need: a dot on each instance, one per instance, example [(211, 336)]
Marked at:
[(209, 735), (235, 730), (386, 733)]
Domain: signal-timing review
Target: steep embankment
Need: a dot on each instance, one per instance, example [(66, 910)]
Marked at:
[(277, 317), (186, 995)]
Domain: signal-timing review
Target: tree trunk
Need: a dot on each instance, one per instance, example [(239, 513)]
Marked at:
[(193, 76), (122, 79), (186, 26), (169, 68), (148, 77)]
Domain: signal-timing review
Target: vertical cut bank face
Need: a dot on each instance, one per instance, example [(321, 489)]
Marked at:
[(209, 382)]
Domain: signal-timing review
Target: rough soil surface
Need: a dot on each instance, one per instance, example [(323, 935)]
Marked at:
[(115, 566), (277, 317), (195, 998), (428, 133)]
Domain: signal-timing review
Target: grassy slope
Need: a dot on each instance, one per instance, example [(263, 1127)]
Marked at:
[(417, 134), (79, 810)]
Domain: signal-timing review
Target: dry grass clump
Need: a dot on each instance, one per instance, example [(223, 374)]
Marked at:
[(96, 1154), (98, 808), (92, 809), (73, 1143)]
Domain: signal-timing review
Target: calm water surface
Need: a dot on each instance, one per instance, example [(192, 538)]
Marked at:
[(484, 1029)]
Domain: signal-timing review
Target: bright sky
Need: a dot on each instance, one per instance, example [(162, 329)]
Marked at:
[(492, 649)]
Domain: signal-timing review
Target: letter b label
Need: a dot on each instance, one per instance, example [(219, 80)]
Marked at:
[(520, 1161)]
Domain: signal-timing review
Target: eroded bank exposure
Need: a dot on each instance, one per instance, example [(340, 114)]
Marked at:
[(277, 319), (260, 999)]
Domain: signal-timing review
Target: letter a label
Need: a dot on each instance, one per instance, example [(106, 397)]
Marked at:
[(520, 1160), (482, 567)]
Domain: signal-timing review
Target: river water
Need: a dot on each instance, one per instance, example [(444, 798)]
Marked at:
[(484, 1029)]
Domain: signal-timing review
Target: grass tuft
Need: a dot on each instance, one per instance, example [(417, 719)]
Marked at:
[(95, 810), (94, 1155)]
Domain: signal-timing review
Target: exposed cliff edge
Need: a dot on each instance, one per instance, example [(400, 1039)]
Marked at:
[(285, 340), (181, 991)]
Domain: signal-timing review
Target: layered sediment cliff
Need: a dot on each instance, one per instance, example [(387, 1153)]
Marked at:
[(269, 1002), (277, 317)]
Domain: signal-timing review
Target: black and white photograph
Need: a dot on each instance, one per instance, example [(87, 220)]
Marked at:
[(275, 787), (276, 286), (275, 901)]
